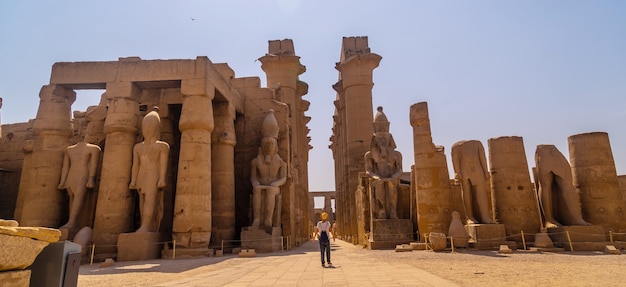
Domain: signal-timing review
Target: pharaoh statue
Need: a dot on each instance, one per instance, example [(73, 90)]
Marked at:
[(268, 173), (558, 198), (149, 172), (470, 170), (78, 173), (383, 164)]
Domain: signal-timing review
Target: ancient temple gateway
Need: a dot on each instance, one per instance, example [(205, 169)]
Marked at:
[(208, 132)]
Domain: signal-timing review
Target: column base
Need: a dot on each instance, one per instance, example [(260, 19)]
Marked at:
[(140, 246)]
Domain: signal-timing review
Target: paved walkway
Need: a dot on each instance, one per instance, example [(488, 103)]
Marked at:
[(353, 266)]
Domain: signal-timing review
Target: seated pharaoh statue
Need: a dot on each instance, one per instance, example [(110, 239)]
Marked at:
[(471, 172), (268, 174), (383, 165), (149, 169), (80, 162), (558, 199)]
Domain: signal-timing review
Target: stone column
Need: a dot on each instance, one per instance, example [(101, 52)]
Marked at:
[(223, 174), (192, 207), (282, 68), (595, 177), (356, 79), (114, 209), (431, 181), (44, 203), (514, 196)]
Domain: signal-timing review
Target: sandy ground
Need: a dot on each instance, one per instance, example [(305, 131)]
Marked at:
[(463, 267)]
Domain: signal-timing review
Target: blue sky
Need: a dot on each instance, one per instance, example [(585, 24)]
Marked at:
[(542, 70)]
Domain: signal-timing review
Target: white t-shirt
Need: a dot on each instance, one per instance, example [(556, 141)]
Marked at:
[(323, 226)]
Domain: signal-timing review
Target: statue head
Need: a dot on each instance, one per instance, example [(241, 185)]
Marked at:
[(269, 146), (151, 125), (382, 140)]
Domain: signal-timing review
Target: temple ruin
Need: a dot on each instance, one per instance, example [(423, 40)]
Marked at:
[(227, 166), (210, 121)]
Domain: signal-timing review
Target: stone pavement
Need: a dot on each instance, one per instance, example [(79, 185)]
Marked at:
[(352, 266)]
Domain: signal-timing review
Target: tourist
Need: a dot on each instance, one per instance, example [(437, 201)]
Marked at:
[(325, 230)]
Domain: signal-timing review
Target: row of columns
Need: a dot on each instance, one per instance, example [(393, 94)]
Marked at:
[(40, 202)]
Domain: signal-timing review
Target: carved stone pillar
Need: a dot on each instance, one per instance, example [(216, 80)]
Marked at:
[(282, 68), (431, 181), (356, 72), (52, 129), (514, 196), (595, 177), (223, 174), (192, 207), (114, 209)]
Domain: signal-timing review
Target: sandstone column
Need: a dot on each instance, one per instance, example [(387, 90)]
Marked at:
[(115, 203), (514, 196), (431, 181), (223, 174), (356, 73), (282, 68), (52, 128), (595, 176), (192, 207)]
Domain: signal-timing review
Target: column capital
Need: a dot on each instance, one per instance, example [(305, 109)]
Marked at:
[(54, 113), (358, 69)]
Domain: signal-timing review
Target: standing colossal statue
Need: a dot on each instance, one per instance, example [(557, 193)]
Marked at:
[(559, 200), (470, 170), (149, 171)]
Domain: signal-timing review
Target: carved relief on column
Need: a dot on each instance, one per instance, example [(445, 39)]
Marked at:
[(192, 207), (115, 203), (52, 129), (595, 178), (223, 173), (513, 192)]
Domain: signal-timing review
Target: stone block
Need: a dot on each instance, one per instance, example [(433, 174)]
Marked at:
[(590, 233), (404, 248), (236, 250), (19, 252), (387, 233), (438, 241), (219, 253), (418, 245), (39, 233), (107, 263), (15, 278), (261, 239), (610, 249), (247, 253), (505, 249), (139, 246)]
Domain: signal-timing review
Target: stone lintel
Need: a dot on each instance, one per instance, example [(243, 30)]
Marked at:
[(197, 87)]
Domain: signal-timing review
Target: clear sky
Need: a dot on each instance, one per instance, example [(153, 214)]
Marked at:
[(542, 70)]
